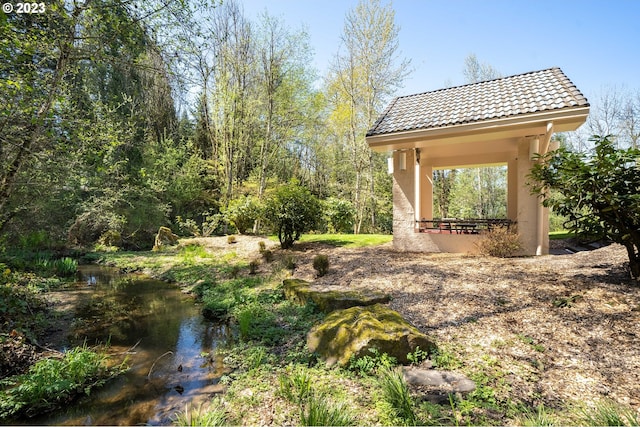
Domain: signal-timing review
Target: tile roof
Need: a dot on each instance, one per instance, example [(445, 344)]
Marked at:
[(506, 97)]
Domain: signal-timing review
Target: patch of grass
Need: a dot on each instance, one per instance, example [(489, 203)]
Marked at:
[(610, 413), (321, 411), (395, 392), (562, 234), (213, 416), (51, 383), (541, 417), (348, 240)]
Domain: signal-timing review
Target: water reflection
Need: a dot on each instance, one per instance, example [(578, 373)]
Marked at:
[(165, 339)]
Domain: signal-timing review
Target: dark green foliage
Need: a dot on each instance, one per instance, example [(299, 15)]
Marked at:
[(600, 195), (321, 264), (338, 215), (291, 210)]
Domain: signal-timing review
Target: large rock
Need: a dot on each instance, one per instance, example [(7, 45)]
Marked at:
[(451, 382), (327, 300), (354, 331)]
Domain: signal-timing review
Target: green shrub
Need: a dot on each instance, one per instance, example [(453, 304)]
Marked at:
[(231, 239), (242, 213), (262, 246), (321, 264), (338, 215), (291, 210)]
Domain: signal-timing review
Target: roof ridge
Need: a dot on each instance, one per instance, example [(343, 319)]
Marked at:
[(481, 82)]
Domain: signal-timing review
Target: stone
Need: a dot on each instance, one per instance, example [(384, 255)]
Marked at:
[(450, 382), (354, 331), (328, 300), (165, 237)]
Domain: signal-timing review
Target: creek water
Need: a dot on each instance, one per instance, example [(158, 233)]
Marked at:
[(166, 342)]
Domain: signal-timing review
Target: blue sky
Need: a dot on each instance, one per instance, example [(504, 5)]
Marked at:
[(596, 43)]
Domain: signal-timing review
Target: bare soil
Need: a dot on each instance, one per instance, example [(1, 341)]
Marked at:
[(560, 329)]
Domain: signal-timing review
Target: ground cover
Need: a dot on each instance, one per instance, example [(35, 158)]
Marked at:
[(546, 339)]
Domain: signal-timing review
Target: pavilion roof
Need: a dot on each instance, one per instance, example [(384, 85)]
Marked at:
[(505, 98)]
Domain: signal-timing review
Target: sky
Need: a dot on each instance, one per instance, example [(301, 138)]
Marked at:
[(595, 43)]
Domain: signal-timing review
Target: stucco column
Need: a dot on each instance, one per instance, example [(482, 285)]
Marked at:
[(417, 189), (426, 207), (527, 203), (512, 188)]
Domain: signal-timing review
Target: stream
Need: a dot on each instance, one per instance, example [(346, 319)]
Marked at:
[(160, 331)]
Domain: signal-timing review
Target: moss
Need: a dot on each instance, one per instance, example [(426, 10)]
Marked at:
[(301, 292), (353, 332)]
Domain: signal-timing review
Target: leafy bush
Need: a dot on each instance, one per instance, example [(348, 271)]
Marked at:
[(598, 194), (321, 264), (231, 239), (338, 215), (371, 364), (291, 210), (501, 242), (242, 213)]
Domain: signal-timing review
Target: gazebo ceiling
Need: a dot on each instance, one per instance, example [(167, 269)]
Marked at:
[(508, 107)]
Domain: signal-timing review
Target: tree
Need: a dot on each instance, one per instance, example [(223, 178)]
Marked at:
[(364, 75), (292, 210), (600, 194)]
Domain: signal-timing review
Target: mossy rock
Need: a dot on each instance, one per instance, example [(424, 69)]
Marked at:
[(301, 292), (355, 331)]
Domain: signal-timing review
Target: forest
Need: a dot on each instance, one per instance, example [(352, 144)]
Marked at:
[(121, 116)]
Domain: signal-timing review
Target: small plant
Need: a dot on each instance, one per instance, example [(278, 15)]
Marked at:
[(65, 267), (395, 392), (231, 239), (539, 418), (417, 356), (267, 255), (289, 262), (295, 386), (213, 417), (262, 246), (321, 264), (320, 411), (610, 413), (369, 365), (501, 242), (253, 266)]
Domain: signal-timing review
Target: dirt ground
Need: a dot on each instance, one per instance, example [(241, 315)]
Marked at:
[(564, 328)]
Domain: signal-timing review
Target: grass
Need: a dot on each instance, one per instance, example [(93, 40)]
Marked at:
[(347, 240), (275, 380), (53, 382)]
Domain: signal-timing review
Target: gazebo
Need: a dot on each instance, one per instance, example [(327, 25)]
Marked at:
[(505, 121)]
